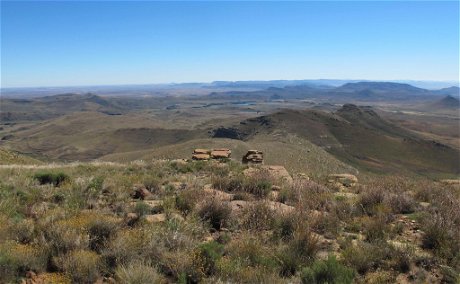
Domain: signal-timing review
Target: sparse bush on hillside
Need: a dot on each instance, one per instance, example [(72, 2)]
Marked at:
[(258, 216), (152, 183), (81, 265), (141, 209), (55, 179), (101, 230), (328, 271), (370, 200), (228, 183), (186, 200), (207, 255), (16, 259), (215, 212), (363, 257), (310, 195), (286, 224), (260, 188), (300, 251), (442, 227)]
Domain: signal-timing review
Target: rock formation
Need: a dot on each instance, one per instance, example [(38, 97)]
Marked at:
[(253, 157)]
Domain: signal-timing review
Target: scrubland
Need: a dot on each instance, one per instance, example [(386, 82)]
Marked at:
[(212, 222)]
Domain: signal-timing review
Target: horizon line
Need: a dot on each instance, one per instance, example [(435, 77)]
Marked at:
[(455, 82)]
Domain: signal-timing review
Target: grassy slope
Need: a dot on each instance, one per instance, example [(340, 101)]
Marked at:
[(296, 154), (8, 157)]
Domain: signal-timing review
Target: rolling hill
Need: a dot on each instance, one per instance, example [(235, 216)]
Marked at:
[(357, 136)]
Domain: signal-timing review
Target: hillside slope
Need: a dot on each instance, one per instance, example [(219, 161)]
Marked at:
[(356, 135)]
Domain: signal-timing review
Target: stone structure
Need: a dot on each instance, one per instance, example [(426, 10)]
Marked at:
[(253, 157), (205, 154)]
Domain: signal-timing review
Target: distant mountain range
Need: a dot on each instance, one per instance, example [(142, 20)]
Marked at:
[(359, 91), (150, 89)]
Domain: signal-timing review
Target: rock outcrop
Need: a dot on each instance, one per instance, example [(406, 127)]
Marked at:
[(253, 157), (221, 153), (278, 175)]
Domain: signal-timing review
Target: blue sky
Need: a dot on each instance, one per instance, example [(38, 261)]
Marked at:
[(117, 42)]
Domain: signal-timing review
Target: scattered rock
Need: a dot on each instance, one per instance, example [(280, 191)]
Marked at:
[(276, 188), (156, 218), (179, 185), (220, 195), (280, 173), (141, 192), (253, 157), (280, 207), (238, 205), (131, 218), (346, 180), (450, 181)]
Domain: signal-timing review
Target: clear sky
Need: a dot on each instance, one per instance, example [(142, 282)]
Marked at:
[(109, 42)]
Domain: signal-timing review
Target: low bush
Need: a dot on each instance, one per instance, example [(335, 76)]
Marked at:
[(55, 179), (227, 183), (301, 250), (257, 216), (371, 199), (207, 255), (16, 259), (82, 266), (216, 212), (186, 200), (141, 208), (327, 272), (362, 257), (137, 273)]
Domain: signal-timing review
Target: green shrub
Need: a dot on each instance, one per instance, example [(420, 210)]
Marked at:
[(227, 183), (365, 257), (95, 185), (287, 224), (258, 187), (207, 256), (328, 271), (141, 209), (300, 250), (55, 179), (186, 200)]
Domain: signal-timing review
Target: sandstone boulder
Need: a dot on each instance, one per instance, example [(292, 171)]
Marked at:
[(201, 157), (156, 218), (221, 153), (201, 151)]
